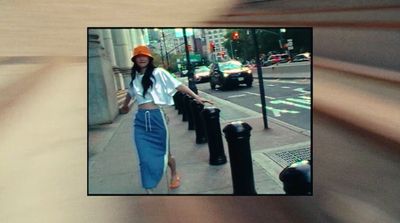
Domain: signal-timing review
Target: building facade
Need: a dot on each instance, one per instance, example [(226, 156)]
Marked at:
[(109, 65), (216, 36)]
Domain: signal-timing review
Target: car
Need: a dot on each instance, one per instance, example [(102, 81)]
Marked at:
[(302, 57), (201, 74), (273, 59), (284, 58), (276, 58), (182, 73), (230, 73)]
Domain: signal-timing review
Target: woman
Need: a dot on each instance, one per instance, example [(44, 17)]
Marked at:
[(152, 88)]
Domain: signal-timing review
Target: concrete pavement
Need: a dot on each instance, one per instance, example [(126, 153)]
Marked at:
[(286, 70), (113, 164)]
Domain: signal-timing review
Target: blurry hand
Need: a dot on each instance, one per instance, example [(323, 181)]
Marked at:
[(203, 101), (124, 109)]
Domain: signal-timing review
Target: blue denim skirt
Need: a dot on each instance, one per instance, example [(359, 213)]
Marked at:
[(151, 139)]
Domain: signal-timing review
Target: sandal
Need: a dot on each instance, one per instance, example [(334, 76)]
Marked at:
[(175, 182)]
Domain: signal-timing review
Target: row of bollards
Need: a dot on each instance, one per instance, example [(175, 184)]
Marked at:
[(205, 122)]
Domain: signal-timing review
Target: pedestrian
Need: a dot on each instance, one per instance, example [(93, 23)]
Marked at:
[(153, 87)]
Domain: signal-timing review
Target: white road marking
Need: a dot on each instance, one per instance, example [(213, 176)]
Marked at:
[(289, 103), (258, 95), (301, 90), (277, 112), (236, 96), (302, 101)]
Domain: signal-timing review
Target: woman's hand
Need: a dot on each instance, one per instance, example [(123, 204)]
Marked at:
[(185, 90), (203, 100), (124, 109)]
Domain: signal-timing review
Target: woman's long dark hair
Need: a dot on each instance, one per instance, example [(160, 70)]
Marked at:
[(148, 75)]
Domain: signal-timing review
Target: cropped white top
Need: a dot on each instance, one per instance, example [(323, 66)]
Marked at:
[(164, 87)]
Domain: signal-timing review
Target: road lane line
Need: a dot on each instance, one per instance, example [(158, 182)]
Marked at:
[(289, 103), (236, 96), (258, 95), (277, 112), (302, 101)]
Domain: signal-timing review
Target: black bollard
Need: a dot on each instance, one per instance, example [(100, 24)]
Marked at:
[(190, 112), (213, 130), (296, 178), (185, 108), (179, 102), (175, 97), (198, 122), (237, 135)]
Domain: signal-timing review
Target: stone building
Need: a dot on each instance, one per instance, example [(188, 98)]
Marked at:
[(109, 64)]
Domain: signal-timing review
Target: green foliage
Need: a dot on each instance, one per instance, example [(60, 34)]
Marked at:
[(157, 59), (172, 61)]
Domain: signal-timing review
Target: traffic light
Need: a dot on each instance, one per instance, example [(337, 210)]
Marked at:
[(189, 47), (212, 47), (235, 35)]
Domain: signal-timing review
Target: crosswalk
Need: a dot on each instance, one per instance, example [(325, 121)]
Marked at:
[(302, 101)]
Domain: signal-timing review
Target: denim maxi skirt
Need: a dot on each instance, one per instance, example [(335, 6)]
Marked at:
[(151, 138)]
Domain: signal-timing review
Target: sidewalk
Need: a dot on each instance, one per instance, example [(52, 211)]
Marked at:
[(299, 70), (113, 164)]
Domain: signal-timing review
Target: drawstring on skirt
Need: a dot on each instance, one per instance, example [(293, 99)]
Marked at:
[(147, 120)]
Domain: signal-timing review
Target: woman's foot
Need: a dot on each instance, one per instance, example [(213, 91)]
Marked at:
[(175, 182)]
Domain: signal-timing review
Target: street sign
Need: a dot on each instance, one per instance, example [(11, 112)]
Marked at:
[(290, 44), (193, 58)]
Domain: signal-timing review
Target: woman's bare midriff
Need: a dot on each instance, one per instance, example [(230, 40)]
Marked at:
[(149, 105)]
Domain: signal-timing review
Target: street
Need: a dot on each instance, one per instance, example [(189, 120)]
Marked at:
[(287, 100)]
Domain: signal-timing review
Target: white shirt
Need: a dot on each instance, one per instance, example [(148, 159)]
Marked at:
[(164, 87)]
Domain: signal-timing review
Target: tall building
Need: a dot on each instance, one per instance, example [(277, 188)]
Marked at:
[(154, 41), (217, 36)]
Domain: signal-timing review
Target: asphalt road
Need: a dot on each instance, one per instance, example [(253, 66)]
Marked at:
[(287, 100)]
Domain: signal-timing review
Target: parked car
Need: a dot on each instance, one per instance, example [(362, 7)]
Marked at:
[(284, 58), (201, 74), (276, 58), (271, 60), (182, 73), (230, 73), (302, 57)]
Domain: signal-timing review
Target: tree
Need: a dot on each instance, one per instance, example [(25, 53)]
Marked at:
[(302, 39), (172, 61), (157, 59)]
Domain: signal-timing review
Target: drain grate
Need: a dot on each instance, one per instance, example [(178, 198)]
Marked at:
[(287, 157)]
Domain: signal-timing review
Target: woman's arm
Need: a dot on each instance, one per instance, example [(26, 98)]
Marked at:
[(184, 89), (125, 107)]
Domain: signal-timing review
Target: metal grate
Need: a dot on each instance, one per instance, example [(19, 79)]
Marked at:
[(287, 157)]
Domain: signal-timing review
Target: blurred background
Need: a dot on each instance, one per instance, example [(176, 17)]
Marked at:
[(355, 119)]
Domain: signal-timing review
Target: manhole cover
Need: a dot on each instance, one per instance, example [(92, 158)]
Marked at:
[(287, 157)]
